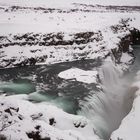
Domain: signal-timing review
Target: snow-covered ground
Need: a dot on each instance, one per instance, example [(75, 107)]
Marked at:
[(53, 31)]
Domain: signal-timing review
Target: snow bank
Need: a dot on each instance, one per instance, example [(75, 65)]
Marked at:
[(21, 119)]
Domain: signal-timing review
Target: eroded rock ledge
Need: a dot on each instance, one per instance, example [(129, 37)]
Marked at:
[(51, 39)]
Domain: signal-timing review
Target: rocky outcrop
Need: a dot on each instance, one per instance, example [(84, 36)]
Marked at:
[(46, 47), (50, 39), (124, 46), (135, 36)]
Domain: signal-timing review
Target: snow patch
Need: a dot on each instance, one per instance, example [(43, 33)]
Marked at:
[(80, 75)]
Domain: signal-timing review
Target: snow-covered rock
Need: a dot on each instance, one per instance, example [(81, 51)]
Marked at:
[(80, 75), (21, 119)]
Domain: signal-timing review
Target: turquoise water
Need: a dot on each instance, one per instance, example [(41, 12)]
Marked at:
[(42, 84), (19, 87)]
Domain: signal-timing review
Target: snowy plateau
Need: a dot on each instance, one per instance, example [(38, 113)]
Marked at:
[(49, 33)]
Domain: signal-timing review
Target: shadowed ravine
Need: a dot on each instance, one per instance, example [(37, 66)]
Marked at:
[(106, 107)]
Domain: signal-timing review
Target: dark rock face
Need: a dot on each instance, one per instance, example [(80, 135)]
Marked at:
[(35, 135), (132, 39), (29, 61), (2, 137), (135, 34), (125, 44)]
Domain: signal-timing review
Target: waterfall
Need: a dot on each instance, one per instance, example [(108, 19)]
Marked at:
[(107, 107)]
